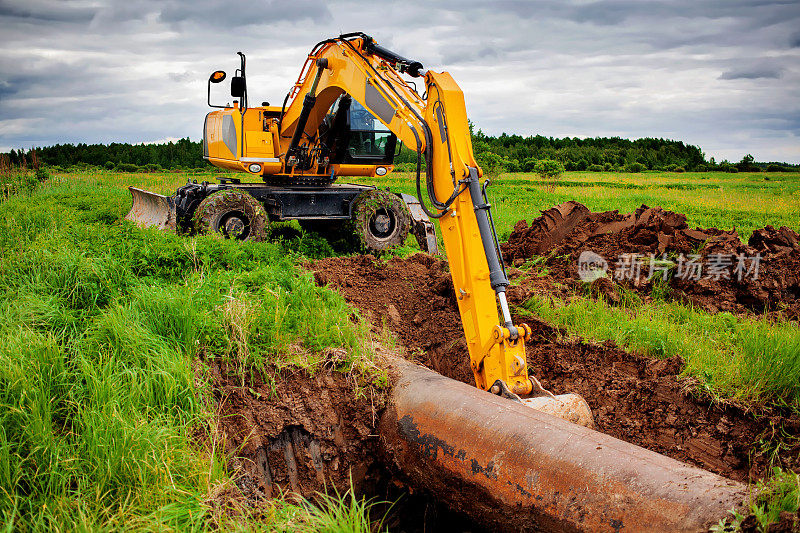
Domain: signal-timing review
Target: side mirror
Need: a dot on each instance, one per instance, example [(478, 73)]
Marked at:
[(217, 76), (237, 86)]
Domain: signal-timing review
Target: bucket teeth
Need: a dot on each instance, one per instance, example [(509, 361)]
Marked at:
[(152, 210)]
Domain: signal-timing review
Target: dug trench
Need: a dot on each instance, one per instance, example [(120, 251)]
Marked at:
[(306, 432), (633, 398), (293, 431)]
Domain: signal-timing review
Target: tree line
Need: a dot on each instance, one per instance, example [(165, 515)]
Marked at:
[(182, 154), (503, 153), (515, 153)]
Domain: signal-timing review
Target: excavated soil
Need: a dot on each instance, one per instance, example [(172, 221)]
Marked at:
[(729, 278), (636, 399), (304, 433), (307, 432), (296, 431)]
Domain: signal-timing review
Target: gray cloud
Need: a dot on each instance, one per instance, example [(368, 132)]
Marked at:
[(751, 73), (46, 10), (243, 12), (135, 70)]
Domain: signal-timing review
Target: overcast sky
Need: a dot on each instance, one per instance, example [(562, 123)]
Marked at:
[(723, 75)]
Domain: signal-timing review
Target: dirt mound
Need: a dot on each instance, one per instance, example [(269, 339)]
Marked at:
[(636, 399), (709, 267), (413, 297)]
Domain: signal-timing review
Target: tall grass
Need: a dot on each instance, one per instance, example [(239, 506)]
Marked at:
[(745, 358), (100, 324)]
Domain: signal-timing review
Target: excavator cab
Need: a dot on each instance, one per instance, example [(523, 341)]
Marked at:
[(355, 136)]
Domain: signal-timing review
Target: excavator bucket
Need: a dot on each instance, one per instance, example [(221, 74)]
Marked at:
[(152, 210)]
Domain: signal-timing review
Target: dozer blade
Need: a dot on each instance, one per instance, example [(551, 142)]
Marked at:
[(152, 210)]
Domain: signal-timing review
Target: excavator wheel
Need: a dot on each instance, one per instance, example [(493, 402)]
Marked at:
[(232, 213), (382, 220)]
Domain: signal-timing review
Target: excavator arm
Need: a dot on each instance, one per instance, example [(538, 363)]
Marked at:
[(436, 128)]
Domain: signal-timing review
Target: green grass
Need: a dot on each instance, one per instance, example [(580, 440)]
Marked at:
[(779, 493), (100, 324), (331, 512), (747, 359), (746, 201)]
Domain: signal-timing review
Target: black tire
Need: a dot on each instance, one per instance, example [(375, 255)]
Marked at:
[(232, 213), (382, 220)]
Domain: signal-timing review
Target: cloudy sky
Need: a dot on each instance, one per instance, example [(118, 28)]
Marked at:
[(724, 75)]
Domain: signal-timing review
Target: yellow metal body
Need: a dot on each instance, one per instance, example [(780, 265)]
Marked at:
[(351, 69)]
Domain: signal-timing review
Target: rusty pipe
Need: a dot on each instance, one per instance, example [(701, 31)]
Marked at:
[(514, 468)]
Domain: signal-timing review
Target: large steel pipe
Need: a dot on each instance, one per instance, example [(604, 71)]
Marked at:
[(516, 469)]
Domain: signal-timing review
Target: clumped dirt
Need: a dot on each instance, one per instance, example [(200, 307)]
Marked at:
[(414, 298), (727, 278), (636, 399)]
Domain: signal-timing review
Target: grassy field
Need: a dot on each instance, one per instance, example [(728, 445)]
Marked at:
[(746, 201), (91, 306), (100, 325)]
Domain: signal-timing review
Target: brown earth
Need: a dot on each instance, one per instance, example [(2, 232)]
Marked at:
[(296, 431), (303, 433), (636, 399), (563, 232)]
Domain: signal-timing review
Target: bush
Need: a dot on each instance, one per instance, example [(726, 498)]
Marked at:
[(512, 165), (595, 168), (491, 163), (634, 167), (127, 167), (529, 165), (549, 169), (42, 174)]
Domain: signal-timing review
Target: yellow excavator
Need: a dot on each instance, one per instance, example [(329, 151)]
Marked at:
[(352, 105), (516, 468)]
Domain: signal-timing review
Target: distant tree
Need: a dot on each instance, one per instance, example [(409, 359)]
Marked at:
[(491, 163), (747, 164), (549, 171)]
